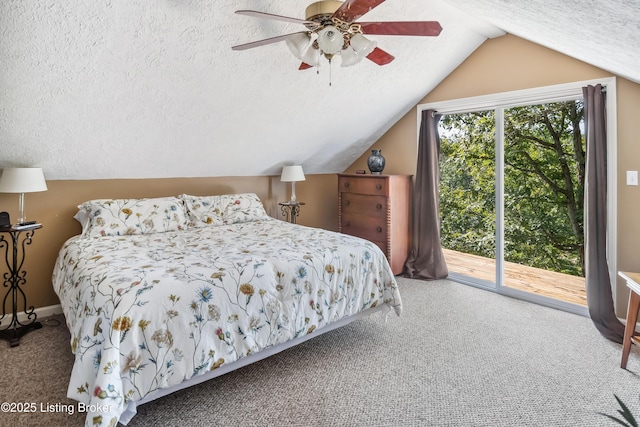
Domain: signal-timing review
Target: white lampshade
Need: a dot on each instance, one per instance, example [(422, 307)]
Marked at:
[(362, 45), (312, 57), (22, 180), (349, 57), (298, 44), (292, 174), (330, 40)]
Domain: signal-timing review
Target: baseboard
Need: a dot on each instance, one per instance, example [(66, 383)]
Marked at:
[(41, 312)]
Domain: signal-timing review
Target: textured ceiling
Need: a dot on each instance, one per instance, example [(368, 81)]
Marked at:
[(138, 89), (604, 33)]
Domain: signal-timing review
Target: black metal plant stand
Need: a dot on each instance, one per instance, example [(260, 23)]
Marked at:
[(14, 279)]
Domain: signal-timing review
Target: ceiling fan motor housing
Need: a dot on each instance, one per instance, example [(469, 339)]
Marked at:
[(322, 11)]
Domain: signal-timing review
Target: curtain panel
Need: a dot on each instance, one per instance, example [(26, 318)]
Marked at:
[(426, 259), (598, 282)]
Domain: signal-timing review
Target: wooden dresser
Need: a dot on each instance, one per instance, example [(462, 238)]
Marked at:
[(377, 208)]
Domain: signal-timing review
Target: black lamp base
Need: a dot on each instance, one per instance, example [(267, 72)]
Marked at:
[(13, 335)]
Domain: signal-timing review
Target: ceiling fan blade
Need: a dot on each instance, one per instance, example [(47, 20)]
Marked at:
[(415, 28), (354, 9), (265, 15), (264, 41), (380, 57), (304, 66)]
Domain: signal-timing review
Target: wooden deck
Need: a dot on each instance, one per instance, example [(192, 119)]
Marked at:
[(555, 285)]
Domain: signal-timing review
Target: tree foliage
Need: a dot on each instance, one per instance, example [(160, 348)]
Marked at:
[(544, 172)]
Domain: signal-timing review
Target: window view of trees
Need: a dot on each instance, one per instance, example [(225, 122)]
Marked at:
[(544, 174)]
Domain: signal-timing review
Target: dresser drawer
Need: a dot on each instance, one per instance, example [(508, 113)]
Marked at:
[(367, 227), (366, 185), (375, 206)]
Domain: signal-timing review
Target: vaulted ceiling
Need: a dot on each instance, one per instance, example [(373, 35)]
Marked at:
[(139, 89)]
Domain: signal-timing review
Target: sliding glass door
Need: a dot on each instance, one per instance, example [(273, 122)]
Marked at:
[(511, 197)]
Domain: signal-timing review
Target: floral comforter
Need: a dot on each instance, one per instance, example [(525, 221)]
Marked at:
[(148, 312)]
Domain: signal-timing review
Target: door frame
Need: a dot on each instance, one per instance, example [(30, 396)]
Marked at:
[(541, 95)]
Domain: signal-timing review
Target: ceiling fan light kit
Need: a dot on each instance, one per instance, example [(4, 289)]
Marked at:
[(332, 30), (345, 40)]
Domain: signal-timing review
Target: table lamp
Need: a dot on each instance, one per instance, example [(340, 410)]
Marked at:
[(22, 180), (292, 174)]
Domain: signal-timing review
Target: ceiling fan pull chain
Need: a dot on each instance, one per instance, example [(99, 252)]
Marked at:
[(330, 68)]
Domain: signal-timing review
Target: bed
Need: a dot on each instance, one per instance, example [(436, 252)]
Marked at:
[(160, 294)]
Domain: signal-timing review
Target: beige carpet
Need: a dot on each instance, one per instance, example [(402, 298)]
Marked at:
[(458, 356)]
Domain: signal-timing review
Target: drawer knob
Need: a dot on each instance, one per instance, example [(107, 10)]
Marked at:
[(346, 184), (379, 206), (346, 224), (346, 202), (378, 187), (379, 229)]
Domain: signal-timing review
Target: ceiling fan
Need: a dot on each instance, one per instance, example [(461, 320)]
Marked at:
[(331, 29)]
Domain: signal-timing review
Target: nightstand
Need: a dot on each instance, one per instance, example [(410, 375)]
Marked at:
[(15, 242), (290, 210)]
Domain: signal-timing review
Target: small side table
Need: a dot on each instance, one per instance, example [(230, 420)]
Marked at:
[(630, 337), (291, 210), (14, 279)]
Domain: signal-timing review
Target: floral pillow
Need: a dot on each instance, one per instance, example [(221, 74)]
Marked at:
[(120, 217), (203, 210), (223, 209), (244, 208)]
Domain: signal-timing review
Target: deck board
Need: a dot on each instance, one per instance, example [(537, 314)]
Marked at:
[(560, 286)]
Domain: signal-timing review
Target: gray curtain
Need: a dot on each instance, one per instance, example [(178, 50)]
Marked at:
[(426, 260), (598, 282)]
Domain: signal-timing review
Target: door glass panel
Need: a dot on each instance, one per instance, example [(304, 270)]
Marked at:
[(467, 194), (544, 170)]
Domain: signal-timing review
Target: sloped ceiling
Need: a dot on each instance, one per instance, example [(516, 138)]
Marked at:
[(604, 33), (139, 89)]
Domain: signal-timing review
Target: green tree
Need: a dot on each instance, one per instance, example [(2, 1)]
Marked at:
[(543, 186)]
